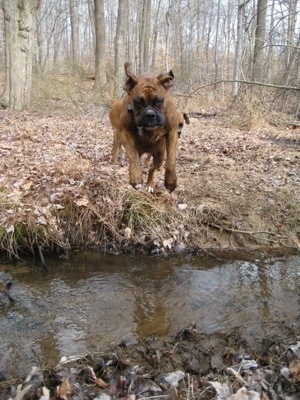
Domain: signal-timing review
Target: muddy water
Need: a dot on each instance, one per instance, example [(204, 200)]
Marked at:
[(94, 301)]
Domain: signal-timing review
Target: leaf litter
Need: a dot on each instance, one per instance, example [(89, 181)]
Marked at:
[(192, 365), (236, 188)]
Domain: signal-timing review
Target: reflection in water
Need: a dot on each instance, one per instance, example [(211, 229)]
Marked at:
[(95, 301)]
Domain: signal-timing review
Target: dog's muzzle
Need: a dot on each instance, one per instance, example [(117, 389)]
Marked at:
[(150, 119)]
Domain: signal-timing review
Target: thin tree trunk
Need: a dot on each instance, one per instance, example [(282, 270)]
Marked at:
[(144, 35), (292, 18), (238, 46), (155, 35), (148, 35), (167, 53), (270, 51), (216, 53), (260, 31), (91, 7), (74, 34), (100, 74), (120, 49)]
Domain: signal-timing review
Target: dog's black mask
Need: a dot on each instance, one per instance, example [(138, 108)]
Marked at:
[(150, 118)]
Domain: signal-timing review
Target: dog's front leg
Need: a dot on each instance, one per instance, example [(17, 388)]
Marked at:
[(135, 167), (170, 173), (158, 159), (115, 147)]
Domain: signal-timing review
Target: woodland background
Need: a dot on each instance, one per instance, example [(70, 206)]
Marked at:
[(215, 47)]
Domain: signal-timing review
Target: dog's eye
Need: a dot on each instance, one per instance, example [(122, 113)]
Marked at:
[(139, 102), (158, 103)]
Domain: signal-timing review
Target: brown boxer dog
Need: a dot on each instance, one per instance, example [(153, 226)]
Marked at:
[(114, 116), (145, 121)]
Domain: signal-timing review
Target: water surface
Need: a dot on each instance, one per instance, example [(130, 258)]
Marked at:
[(94, 301)]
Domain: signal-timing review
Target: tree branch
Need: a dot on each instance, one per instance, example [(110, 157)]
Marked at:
[(252, 83)]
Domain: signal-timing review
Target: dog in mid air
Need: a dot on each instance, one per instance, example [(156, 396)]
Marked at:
[(145, 120)]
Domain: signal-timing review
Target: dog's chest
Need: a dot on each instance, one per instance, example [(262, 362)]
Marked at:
[(147, 140)]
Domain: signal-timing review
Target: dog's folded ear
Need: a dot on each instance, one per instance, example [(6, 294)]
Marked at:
[(132, 79), (166, 79)]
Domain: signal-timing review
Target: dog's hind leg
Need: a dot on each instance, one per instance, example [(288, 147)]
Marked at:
[(170, 172)]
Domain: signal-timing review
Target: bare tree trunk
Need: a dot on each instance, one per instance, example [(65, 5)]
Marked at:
[(216, 53), (155, 35), (167, 53), (120, 49), (268, 69), (19, 34), (130, 34), (100, 59), (145, 35), (260, 31), (74, 34), (292, 18), (148, 35), (91, 7), (238, 46)]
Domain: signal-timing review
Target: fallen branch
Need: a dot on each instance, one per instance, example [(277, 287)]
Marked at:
[(248, 232), (259, 84)]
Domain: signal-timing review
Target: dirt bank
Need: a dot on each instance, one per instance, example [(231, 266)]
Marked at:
[(59, 189)]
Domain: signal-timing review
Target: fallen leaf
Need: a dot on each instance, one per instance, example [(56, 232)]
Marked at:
[(168, 243), (244, 394), (222, 389), (182, 206), (100, 382), (10, 229), (63, 390), (127, 232), (82, 201)]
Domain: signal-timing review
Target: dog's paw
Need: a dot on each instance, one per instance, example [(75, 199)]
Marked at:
[(149, 189), (170, 186), (138, 186), (170, 180)]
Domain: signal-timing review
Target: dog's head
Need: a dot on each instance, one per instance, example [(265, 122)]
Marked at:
[(147, 94)]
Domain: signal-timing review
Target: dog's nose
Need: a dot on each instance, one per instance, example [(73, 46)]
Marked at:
[(150, 114)]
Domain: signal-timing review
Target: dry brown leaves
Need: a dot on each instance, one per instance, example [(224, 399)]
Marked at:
[(236, 188)]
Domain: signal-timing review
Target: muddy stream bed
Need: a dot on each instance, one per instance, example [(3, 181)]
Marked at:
[(93, 302)]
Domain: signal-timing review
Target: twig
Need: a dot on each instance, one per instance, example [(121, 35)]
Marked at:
[(155, 397), (238, 376), (248, 232), (249, 83)]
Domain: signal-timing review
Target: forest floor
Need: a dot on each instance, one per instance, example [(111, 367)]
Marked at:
[(238, 188)]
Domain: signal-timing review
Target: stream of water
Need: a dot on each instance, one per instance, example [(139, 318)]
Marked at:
[(94, 301)]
